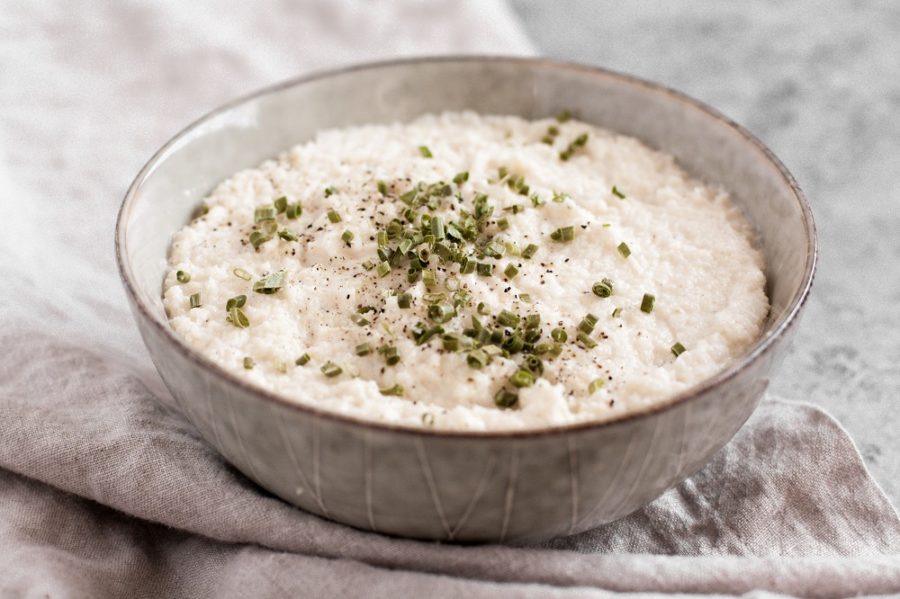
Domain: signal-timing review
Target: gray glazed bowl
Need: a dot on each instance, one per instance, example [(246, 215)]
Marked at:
[(503, 487)]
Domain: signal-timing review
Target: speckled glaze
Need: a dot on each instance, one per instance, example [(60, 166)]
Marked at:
[(506, 487)]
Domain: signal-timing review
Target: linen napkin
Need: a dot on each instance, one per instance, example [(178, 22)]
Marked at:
[(107, 491)]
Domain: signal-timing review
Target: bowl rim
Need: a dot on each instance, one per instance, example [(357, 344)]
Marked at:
[(762, 345)]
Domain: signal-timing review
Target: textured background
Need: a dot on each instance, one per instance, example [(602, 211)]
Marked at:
[(820, 84)]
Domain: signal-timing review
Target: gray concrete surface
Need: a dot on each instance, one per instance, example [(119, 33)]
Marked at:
[(820, 84)]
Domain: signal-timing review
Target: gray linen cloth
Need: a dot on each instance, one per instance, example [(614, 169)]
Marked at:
[(106, 491)]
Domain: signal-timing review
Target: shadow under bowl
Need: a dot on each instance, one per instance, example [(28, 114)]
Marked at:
[(466, 486)]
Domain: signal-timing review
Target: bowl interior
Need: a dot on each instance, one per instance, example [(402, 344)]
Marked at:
[(248, 131)]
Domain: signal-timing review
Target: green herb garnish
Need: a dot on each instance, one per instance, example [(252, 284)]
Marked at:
[(383, 268), (617, 193), (510, 271), (363, 349), (195, 300), (242, 274), (678, 349), (624, 249), (585, 340), (425, 152), (396, 390), (588, 323), (288, 235), (331, 370), (264, 213), (504, 398), (529, 251), (270, 283), (603, 288), (522, 378), (595, 385), (249, 363), (347, 236), (404, 300), (647, 303), (334, 216), (182, 277), (302, 360), (563, 234)]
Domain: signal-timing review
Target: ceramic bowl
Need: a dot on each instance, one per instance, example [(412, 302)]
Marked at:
[(462, 486)]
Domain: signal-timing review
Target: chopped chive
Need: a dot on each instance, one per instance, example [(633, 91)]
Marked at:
[(563, 116), (242, 274), (429, 278), (441, 313), (532, 321), (237, 317), (595, 385), (529, 251), (389, 353), (483, 309), (249, 363), (404, 300), (603, 288), (525, 297), (437, 228), (382, 188), (485, 269), (281, 204), (451, 342), (585, 340), (508, 319), (647, 303), (588, 323), (617, 312), (330, 190), (606, 225), (302, 360), (288, 235), (330, 369), (425, 152), (383, 268), (368, 265), (182, 277), (560, 197), (505, 398), (195, 300), (396, 390), (428, 419), (510, 271), (270, 283), (563, 234), (347, 236), (257, 238), (293, 211), (617, 193), (264, 213), (678, 349), (477, 359), (333, 215), (624, 249), (559, 335), (359, 320), (522, 378), (237, 301), (363, 349), (503, 224), (461, 178)]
